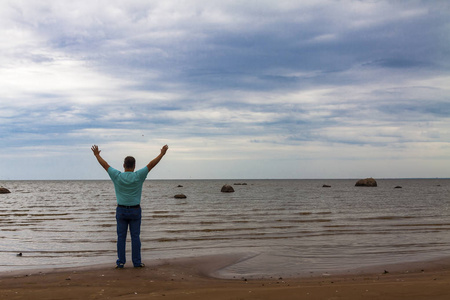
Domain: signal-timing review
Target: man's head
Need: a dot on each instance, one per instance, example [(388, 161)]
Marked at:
[(129, 163)]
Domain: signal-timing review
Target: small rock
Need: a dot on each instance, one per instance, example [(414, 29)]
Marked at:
[(398, 187), (180, 196), (326, 185), (227, 189), (366, 182), (179, 185), (19, 254), (4, 190)]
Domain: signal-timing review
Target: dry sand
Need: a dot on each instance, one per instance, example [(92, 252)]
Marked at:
[(189, 279)]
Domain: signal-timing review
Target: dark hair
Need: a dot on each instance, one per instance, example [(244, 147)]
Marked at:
[(129, 162)]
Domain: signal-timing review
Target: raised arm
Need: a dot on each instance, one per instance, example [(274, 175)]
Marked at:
[(157, 159), (101, 161)]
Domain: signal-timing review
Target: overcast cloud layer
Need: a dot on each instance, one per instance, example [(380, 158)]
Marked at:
[(238, 89)]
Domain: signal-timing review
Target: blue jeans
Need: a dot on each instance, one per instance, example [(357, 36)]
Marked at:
[(129, 217)]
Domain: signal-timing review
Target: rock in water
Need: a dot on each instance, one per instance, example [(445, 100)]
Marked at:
[(4, 190), (366, 182), (227, 189), (180, 196)]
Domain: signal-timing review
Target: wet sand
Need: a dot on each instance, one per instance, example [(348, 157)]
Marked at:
[(191, 279)]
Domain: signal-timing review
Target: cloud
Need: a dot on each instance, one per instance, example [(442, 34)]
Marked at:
[(232, 83)]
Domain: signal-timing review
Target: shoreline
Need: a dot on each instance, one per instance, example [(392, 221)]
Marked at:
[(215, 266), (196, 278)]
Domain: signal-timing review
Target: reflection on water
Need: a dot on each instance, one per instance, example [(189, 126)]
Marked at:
[(289, 226)]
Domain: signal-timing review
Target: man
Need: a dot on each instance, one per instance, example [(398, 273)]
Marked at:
[(128, 188)]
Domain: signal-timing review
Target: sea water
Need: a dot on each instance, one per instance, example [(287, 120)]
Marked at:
[(281, 227)]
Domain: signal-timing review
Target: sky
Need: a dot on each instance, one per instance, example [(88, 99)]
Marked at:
[(237, 89)]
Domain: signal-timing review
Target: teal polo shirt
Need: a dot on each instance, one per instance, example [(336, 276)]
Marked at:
[(128, 185)]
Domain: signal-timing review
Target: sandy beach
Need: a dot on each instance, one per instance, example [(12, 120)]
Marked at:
[(192, 279)]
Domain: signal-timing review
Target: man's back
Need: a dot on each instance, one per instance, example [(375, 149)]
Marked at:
[(128, 185)]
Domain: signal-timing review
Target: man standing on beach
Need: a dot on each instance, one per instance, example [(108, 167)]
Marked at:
[(128, 187)]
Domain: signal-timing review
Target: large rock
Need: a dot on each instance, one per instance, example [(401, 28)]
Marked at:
[(366, 182), (4, 190), (227, 189)]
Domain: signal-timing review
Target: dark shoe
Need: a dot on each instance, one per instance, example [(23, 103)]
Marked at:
[(119, 266), (140, 266)]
